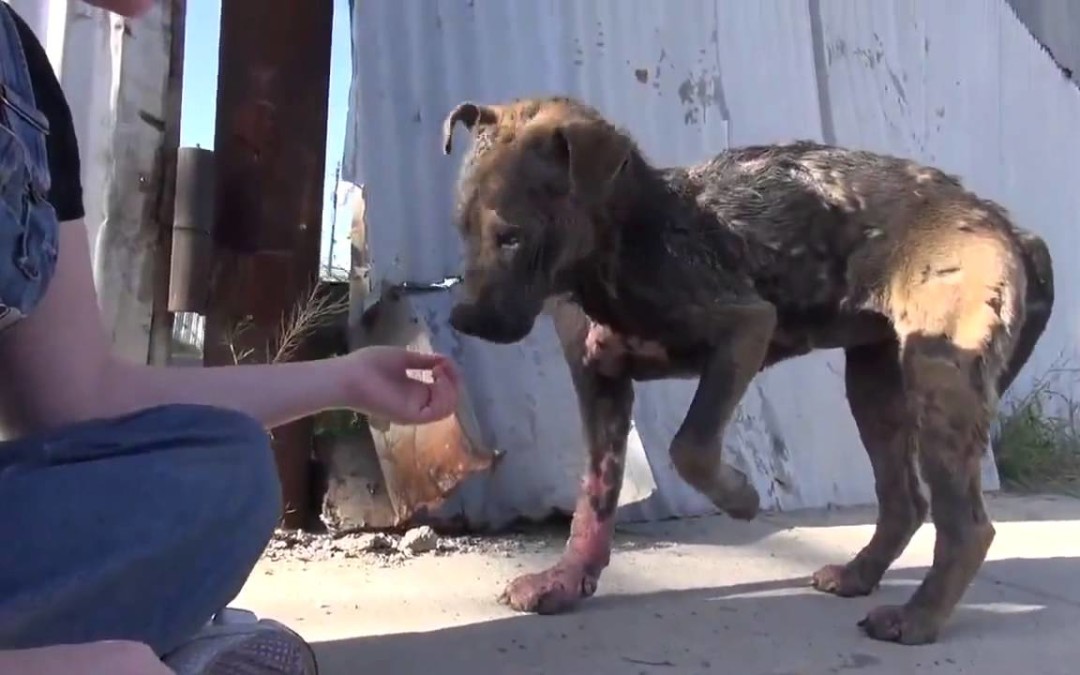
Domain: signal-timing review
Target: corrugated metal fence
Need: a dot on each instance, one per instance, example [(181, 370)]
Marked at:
[(960, 84)]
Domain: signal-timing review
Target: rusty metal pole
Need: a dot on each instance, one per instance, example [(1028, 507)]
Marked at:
[(270, 150)]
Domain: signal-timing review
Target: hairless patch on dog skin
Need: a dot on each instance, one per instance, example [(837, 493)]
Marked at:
[(721, 269)]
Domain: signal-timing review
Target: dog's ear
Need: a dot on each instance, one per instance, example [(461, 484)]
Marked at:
[(471, 115), (594, 153)]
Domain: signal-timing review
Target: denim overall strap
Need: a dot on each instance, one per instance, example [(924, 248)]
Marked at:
[(28, 227), (19, 107)]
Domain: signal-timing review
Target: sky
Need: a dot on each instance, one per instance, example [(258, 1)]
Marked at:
[(199, 103)]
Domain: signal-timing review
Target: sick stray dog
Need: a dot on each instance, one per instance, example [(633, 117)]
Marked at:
[(721, 269)]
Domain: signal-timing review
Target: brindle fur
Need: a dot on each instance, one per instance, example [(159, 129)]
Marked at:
[(723, 268)]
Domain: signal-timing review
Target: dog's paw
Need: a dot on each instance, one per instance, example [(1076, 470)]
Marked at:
[(841, 580), (552, 591), (895, 623)]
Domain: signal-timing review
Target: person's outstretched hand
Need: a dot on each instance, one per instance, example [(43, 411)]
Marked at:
[(379, 384)]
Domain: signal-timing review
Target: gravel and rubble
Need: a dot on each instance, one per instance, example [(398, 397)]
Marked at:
[(386, 549)]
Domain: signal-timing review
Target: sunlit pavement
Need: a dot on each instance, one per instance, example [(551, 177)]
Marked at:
[(699, 596)]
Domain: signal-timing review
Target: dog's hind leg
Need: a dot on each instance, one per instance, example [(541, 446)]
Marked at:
[(957, 299), (875, 392), (949, 435)]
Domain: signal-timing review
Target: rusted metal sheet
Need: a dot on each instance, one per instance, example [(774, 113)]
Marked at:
[(421, 464), (192, 232), (270, 147)]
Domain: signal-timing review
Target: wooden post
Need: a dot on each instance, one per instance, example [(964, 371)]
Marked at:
[(270, 149)]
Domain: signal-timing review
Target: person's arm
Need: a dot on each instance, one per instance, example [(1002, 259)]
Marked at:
[(125, 7), (56, 367), (112, 657)]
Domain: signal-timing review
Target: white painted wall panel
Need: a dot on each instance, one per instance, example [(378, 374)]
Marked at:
[(959, 84)]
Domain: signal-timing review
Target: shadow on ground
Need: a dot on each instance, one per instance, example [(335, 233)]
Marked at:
[(1003, 508), (1011, 621)]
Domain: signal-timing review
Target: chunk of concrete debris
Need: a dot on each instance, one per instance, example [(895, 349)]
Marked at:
[(296, 545), (419, 540), (375, 542)]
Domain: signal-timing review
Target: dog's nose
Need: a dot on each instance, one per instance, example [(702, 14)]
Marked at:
[(471, 320), (459, 319)]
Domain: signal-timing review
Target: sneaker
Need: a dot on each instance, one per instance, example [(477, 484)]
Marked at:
[(235, 642)]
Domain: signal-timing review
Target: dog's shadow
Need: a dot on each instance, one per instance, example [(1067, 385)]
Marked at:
[(1003, 625)]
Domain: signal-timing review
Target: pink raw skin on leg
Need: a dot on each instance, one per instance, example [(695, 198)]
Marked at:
[(587, 552)]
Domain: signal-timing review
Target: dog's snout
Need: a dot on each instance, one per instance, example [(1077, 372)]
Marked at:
[(498, 327)]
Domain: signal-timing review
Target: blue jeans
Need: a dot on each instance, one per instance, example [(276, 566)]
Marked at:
[(139, 527)]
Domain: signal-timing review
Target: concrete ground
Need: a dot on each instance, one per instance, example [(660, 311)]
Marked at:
[(700, 596)]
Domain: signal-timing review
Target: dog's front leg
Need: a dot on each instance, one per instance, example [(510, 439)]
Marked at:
[(605, 399), (740, 338)]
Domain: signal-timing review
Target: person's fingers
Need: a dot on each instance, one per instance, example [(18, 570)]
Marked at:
[(443, 395), (441, 401), (455, 374), (447, 371), (421, 360)]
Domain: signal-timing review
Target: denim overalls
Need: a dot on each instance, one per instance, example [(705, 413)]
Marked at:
[(28, 225)]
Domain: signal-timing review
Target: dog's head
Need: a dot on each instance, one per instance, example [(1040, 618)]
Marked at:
[(531, 199)]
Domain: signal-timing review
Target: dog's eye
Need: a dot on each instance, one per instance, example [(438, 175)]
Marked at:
[(508, 238)]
